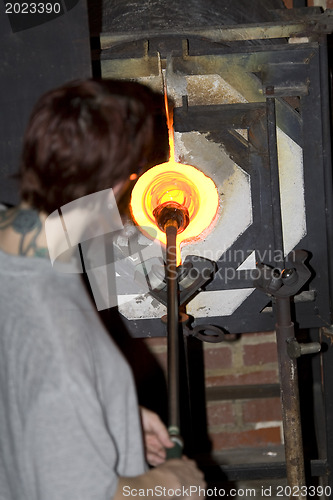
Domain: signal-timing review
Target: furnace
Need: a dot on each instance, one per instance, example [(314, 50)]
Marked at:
[(170, 184), (251, 116)]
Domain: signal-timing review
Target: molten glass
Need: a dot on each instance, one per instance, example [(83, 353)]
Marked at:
[(176, 183), (171, 211), (179, 183)]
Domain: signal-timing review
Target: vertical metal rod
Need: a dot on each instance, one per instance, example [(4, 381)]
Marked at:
[(285, 331), (275, 182), (325, 92), (172, 322), (171, 228), (290, 399)]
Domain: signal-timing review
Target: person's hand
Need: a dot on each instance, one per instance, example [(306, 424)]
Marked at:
[(156, 437), (184, 477), (176, 478)]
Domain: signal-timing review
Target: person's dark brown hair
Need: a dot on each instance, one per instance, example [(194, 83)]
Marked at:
[(82, 138)]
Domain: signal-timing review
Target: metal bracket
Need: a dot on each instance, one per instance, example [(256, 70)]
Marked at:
[(194, 273), (287, 282)]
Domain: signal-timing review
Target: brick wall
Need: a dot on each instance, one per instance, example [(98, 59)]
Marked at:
[(238, 413), (325, 4)]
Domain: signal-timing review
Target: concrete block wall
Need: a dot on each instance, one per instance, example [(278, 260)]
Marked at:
[(248, 362)]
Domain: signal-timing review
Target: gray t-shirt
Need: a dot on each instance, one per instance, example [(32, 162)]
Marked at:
[(69, 422)]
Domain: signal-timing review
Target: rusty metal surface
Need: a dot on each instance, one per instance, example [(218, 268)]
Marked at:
[(289, 397), (164, 14), (223, 78), (316, 25)]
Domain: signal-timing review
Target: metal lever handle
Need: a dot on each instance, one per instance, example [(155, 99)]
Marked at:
[(177, 450)]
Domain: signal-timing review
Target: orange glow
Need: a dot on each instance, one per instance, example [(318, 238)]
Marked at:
[(173, 181), (169, 117), (184, 184)]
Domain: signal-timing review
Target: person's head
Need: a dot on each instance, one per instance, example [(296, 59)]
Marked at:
[(84, 137)]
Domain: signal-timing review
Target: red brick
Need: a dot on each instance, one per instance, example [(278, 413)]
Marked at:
[(257, 377), (259, 335), (261, 410), (246, 439), (288, 3), (217, 358), (220, 413), (259, 354)]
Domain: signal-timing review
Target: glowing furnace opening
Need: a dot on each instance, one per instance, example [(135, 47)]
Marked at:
[(174, 182), (178, 185)]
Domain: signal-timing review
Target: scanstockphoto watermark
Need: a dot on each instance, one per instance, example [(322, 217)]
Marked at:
[(188, 492), (228, 275), (226, 269), (241, 255), (88, 235), (262, 491), (28, 14)]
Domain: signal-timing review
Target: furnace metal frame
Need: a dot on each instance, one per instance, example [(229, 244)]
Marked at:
[(295, 83), (285, 72)]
